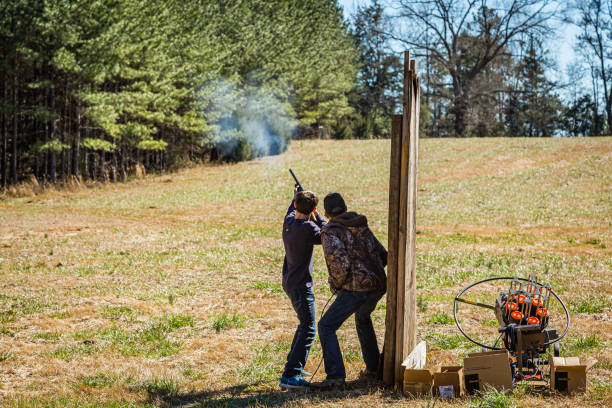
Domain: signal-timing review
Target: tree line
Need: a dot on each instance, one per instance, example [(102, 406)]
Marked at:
[(100, 89), (485, 67), (94, 89)]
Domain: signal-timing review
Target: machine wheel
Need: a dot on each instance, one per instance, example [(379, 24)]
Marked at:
[(556, 350)]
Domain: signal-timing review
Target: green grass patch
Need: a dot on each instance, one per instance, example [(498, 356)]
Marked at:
[(152, 340), (4, 331), (19, 306), (192, 373), (267, 286), (264, 366), (223, 322), (161, 387), (580, 345), (4, 356), (587, 342), (445, 341), (422, 304), (490, 323), (591, 304), (440, 318), (491, 398), (117, 312), (600, 390), (99, 380), (47, 335), (59, 315), (73, 351), (177, 321)]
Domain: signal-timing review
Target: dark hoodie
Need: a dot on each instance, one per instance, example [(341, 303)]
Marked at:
[(355, 259)]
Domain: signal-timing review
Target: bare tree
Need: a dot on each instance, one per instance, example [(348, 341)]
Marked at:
[(465, 36), (595, 21)]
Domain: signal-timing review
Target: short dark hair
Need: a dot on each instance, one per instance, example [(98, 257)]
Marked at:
[(306, 201)]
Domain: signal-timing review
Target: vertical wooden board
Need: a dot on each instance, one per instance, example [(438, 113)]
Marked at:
[(400, 347), (410, 321), (407, 287), (393, 224)]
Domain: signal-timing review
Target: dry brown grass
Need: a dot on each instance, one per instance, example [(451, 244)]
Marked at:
[(97, 284)]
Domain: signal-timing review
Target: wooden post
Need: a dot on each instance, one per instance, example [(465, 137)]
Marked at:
[(400, 319), (394, 194)]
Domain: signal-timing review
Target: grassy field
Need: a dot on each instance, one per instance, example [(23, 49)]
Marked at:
[(167, 291)]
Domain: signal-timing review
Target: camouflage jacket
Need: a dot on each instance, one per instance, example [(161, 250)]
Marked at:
[(355, 259)]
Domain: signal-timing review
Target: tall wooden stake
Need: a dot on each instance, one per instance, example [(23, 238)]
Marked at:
[(394, 194), (400, 320)]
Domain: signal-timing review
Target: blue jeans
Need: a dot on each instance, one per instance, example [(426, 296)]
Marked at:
[(302, 300), (347, 303)]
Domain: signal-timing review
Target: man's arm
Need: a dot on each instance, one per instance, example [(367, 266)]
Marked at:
[(337, 259)]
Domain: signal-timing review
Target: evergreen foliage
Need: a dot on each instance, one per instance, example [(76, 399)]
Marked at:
[(96, 88)]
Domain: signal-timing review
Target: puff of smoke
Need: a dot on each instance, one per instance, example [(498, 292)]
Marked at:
[(248, 121)]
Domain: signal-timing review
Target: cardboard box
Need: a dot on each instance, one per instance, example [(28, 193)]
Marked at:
[(449, 376), (490, 368), (417, 379), (568, 374), (418, 382)]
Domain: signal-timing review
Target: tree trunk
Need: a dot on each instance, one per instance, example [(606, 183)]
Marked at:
[(86, 164), (459, 106), (15, 131), (609, 111), (102, 166), (122, 174), (114, 172), (52, 153), (4, 141), (75, 146)]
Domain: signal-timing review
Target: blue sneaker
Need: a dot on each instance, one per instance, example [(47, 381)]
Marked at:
[(294, 383)]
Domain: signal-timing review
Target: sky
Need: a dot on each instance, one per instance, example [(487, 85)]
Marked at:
[(561, 46)]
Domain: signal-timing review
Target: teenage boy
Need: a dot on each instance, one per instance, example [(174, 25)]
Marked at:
[(356, 263), (301, 231)]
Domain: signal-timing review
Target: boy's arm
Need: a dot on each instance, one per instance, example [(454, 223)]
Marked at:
[(336, 257), (291, 209), (320, 221), (316, 235)]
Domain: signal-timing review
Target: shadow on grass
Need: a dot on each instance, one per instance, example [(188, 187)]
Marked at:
[(240, 396)]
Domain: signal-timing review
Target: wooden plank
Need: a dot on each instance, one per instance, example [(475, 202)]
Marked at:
[(410, 310), (392, 247), (400, 346)]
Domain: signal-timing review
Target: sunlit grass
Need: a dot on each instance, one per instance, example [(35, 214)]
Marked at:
[(174, 281)]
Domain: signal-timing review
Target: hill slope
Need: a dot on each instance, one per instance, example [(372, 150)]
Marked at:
[(168, 290)]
